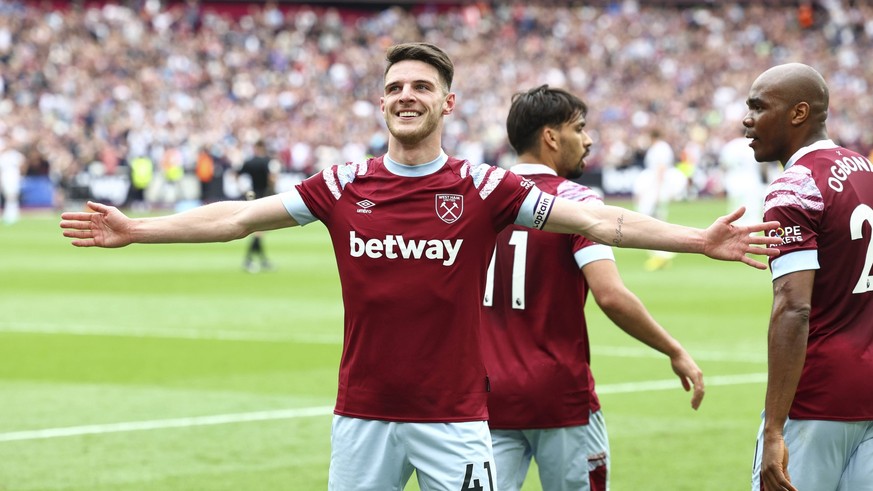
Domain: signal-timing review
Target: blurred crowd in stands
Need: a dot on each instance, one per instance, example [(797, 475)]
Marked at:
[(186, 89)]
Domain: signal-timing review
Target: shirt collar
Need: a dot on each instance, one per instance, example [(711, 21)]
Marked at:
[(819, 145), (416, 170), (524, 168)]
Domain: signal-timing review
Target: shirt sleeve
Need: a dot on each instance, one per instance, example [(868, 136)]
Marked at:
[(297, 208), (794, 262), (796, 203), (594, 252), (535, 209)]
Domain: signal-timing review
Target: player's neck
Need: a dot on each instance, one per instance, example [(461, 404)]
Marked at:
[(416, 154), (535, 158)]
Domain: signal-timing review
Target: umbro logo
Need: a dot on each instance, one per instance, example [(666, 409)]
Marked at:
[(365, 206)]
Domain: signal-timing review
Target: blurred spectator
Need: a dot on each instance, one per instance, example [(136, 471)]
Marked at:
[(142, 170), (744, 179), (107, 82), (657, 185), (204, 169), (36, 163), (13, 166)]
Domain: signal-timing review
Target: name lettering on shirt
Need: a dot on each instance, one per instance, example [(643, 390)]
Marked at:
[(844, 167)]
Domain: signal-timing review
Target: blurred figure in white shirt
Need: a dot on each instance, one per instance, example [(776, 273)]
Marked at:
[(12, 168), (744, 179), (658, 184)]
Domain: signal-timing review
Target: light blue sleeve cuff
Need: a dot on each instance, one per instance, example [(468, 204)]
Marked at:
[(593, 253), (297, 208), (794, 262)]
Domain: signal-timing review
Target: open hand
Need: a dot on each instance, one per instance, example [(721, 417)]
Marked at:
[(730, 242), (106, 226)]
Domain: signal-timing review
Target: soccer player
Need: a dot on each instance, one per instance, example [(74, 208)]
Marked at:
[(261, 170), (817, 429), (744, 178), (542, 403), (412, 231), (658, 184), (12, 169)]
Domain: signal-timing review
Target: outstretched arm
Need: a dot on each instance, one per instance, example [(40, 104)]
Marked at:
[(628, 313), (619, 227), (222, 221), (786, 354)]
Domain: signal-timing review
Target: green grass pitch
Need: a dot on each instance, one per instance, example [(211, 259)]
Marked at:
[(169, 368)]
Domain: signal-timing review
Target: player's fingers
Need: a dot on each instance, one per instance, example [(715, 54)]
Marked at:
[(762, 251), (763, 240), (77, 216), (760, 227), (686, 384), (699, 392), (78, 234), (84, 243), (696, 399), (785, 483), (75, 224), (734, 215), (753, 263), (98, 207)]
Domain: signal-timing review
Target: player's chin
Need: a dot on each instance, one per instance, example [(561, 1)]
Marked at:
[(761, 154), (577, 171)]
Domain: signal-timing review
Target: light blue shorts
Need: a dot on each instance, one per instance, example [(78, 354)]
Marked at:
[(574, 458), (374, 455), (824, 455)]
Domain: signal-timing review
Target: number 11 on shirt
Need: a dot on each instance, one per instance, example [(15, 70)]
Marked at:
[(519, 258)]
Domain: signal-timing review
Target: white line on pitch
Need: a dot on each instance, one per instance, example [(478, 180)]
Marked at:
[(697, 354), (171, 333), (158, 424), (220, 419), (332, 336), (652, 385)]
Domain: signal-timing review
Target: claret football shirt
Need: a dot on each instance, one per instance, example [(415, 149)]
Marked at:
[(412, 244), (535, 336), (823, 204)]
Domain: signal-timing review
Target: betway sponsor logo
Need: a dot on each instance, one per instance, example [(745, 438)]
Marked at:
[(396, 247)]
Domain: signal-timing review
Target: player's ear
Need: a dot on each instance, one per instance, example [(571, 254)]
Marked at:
[(449, 104), (550, 137), (799, 113)]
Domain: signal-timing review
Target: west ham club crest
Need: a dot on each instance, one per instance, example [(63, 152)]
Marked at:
[(449, 207)]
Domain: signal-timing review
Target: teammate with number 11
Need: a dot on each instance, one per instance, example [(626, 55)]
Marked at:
[(542, 403)]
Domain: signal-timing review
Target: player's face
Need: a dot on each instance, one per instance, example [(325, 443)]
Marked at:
[(575, 146), (765, 122), (414, 101)]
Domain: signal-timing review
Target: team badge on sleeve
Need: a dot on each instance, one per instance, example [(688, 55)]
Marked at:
[(449, 207)]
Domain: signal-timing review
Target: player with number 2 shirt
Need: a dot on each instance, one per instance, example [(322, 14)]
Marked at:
[(817, 429)]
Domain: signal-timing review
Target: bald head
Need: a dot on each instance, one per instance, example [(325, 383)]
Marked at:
[(788, 106), (794, 83)]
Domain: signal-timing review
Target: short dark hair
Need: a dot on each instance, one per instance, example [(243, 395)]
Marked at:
[(428, 53), (537, 108)]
